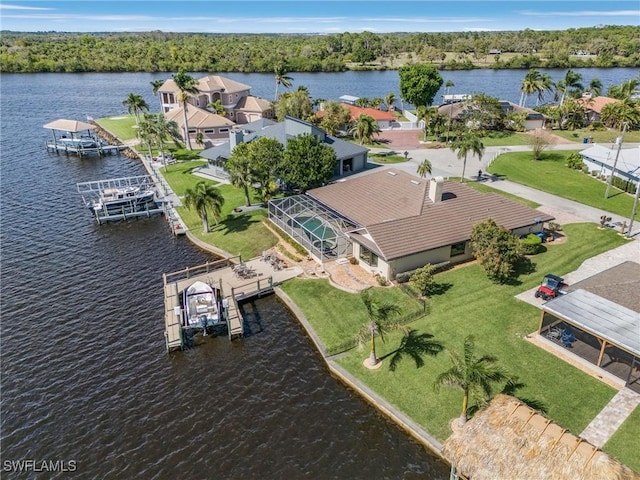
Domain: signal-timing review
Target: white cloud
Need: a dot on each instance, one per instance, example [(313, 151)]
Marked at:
[(584, 13), (4, 6)]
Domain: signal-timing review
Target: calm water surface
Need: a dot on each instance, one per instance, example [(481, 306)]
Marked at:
[(85, 375)]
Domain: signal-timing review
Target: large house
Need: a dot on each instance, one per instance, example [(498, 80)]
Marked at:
[(393, 222), (240, 106), (212, 127), (456, 110), (351, 157)]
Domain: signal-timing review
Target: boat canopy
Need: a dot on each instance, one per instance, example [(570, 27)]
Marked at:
[(73, 126)]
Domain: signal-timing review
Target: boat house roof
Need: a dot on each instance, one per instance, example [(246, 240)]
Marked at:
[(69, 125)]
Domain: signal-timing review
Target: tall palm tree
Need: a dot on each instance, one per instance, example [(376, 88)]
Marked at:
[(280, 72), (365, 128), (217, 107), (424, 168), (204, 197), (135, 104), (447, 85), (389, 100), (155, 85), (530, 85), (595, 87), (466, 144), (240, 171), (472, 375), (571, 82), (379, 314), (545, 84), (624, 90), (188, 86)]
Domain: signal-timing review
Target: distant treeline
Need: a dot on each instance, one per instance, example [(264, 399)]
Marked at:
[(604, 47)]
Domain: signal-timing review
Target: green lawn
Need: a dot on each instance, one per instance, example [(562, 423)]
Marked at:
[(121, 126), (242, 234), (471, 304), (386, 159), (551, 175), (505, 138), (484, 188), (603, 137), (623, 445)]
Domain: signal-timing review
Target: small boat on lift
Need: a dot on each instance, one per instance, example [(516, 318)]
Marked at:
[(200, 306)]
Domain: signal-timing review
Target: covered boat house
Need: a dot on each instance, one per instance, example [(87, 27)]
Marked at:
[(79, 138)]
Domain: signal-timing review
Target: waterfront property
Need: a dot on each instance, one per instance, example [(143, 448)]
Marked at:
[(235, 97), (77, 138), (213, 128), (459, 110), (509, 439), (415, 222), (593, 106), (385, 120), (351, 157), (117, 199)]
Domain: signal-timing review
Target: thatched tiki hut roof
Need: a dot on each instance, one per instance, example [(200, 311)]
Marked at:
[(510, 440)]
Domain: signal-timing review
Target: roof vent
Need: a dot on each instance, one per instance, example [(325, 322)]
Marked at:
[(415, 182), (392, 173)]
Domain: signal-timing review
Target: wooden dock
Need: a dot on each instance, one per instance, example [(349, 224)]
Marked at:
[(220, 275), (81, 151)]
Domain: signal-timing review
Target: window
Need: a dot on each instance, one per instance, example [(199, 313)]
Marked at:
[(368, 257), (192, 130), (223, 130), (209, 131), (458, 249)]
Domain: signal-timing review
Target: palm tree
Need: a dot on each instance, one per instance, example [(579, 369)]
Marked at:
[(470, 143), (530, 84), (204, 197), (365, 128), (379, 314), (217, 107), (240, 172), (545, 85), (472, 375), (155, 85), (281, 78), (571, 81), (424, 168), (624, 90), (595, 87), (135, 104), (389, 100), (448, 84), (188, 86)]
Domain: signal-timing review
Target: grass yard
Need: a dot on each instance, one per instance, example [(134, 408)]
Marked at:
[(385, 159), (602, 137), (471, 304), (623, 445), (121, 126), (505, 138), (551, 175), (243, 234), (322, 302), (484, 188)]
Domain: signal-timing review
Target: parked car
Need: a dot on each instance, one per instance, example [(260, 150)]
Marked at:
[(550, 287)]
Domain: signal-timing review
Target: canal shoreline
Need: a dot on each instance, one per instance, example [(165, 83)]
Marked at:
[(405, 423)]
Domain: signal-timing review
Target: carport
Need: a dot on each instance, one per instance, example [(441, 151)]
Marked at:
[(607, 334)]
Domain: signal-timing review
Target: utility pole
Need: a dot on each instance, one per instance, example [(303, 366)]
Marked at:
[(633, 210), (615, 161)]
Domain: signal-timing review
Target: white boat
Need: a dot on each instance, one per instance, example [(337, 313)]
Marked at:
[(200, 306), (127, 199)]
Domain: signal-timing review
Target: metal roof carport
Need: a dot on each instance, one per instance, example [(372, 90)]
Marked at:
[(611, 324)]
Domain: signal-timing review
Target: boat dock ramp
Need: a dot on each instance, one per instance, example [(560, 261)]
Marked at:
[(257, 279)]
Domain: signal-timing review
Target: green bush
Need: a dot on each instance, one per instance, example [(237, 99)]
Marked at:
[(403, 277), (531, 244), (575, 161), (353, 260)]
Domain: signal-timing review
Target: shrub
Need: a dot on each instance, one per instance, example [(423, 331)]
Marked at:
[(381, 280), (575, 161), (403, 277), (531, 244), (353, 260), (422, 278)]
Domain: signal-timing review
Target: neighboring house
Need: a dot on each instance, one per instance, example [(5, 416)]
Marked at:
[(351, 157), (600, 159), (213, 127), (240, 106), (593, 106), (457, 110), (398, 222), (509, 439), (384, 119)]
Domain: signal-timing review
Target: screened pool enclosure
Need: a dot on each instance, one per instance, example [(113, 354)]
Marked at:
[(320, 230)]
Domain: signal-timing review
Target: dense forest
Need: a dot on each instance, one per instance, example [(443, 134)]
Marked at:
[(605, 46)]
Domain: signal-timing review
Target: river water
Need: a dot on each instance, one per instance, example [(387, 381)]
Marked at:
[(85, 377)]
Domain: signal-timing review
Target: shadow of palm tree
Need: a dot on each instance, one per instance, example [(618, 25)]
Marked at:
[(513, 385), (415, 346), (238, 223)]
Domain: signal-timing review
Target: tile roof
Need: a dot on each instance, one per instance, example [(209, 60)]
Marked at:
[(596, 103), (401, 219), (253, 104), (376, 114), (198, 118), (210, 83)]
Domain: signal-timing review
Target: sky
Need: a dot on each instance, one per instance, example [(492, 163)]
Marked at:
[(322, 17)]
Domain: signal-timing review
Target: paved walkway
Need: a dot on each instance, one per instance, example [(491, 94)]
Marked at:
[(601, 428)]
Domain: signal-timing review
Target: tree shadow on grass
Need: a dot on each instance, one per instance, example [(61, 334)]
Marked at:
[(439, 289), (510, 388), (236, 223), (414, 345)]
